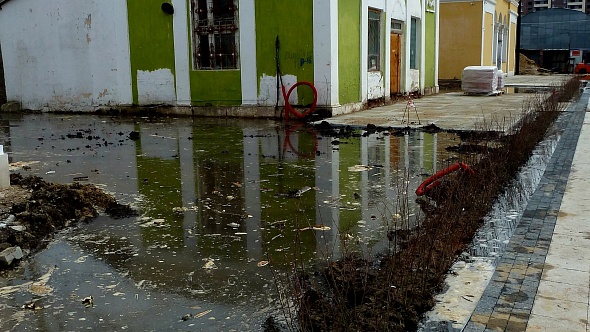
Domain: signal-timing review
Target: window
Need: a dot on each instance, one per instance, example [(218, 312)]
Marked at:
[(397, 26), (215, 38), (414, 43), (374, 49)]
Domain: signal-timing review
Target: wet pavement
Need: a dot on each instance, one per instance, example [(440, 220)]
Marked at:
[(456, 110), (527, 291)]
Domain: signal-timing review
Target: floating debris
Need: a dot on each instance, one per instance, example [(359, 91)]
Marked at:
[(210, 265), (88, 301), (40, 289), (201, 314), (359, 168), (316, 228), (301, 191), (262, 263), (31, 306), (154, 223), (233, 224), (179, 209)]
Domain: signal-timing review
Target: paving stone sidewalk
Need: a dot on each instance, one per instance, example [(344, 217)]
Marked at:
[(507, 302)]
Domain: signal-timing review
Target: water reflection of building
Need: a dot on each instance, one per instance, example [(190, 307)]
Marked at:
[(245, 181), (237, 174)]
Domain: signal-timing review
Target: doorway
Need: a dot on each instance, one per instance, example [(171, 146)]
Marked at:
[(394, 62)]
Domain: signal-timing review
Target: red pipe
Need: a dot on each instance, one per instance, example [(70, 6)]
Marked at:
[(432, 181), (287, 141), (290, 109)]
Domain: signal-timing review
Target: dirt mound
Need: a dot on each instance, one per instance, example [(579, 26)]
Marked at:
[(33, 210), (527, 66)]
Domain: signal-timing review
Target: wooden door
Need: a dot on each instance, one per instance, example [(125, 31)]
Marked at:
[(394, 62)]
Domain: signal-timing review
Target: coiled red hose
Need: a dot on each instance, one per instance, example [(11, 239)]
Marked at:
[(289, 109)]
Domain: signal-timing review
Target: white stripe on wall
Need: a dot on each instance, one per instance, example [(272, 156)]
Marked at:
[(247, 19), (122, 53), (364, 50), (182, 64), (325, 45)]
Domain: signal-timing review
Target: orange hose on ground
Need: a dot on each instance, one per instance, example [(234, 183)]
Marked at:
[(432, 182)]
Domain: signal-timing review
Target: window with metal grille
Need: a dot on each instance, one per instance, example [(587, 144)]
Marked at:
[(374, 38), (215, 37)]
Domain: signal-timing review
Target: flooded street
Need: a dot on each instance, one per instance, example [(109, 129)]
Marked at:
[(224, 207)]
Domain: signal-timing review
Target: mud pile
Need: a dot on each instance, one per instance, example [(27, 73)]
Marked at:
[(527, 66), (33, 210)]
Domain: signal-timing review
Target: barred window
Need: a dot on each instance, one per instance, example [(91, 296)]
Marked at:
[(215, 37)]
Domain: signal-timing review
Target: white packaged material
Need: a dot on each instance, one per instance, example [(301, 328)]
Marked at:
[(501, 80), (480, 79)]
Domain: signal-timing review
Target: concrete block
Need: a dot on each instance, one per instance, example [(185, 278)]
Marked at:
[(11, 106), (7, 256)]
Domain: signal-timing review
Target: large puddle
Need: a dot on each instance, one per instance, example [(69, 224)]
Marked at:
[(224, 206)]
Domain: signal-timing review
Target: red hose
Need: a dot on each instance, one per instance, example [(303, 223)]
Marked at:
[(432, 182), (287, 142), (290, 109)]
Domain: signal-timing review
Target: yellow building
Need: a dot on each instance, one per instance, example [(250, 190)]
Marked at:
[(477, 33)]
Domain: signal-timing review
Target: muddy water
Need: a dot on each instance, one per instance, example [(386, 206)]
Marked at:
[(225, 207)]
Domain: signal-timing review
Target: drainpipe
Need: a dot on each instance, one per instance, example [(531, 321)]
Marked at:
[(436, 43), (517, 48)]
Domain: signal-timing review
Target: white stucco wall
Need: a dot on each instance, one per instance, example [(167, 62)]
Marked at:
[(325, 46), (66, 55), (414, 78), (377, 84)]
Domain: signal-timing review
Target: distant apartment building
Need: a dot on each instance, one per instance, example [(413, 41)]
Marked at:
[(529, 6)]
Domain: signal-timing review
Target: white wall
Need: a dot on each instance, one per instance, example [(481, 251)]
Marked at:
[(414, 77), (325, 46), (377, 84), (66, 54)]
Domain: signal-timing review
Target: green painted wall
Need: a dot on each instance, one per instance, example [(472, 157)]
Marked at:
[(292, 21), (349, 50), (160, 192), (430, 22), (218, 164), (216, 87), (151, 38)]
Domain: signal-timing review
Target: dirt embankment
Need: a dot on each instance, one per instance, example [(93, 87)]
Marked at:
[(529, 67), (32, 210)]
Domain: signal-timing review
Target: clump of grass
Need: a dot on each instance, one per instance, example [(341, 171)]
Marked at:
[(355, 294)]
